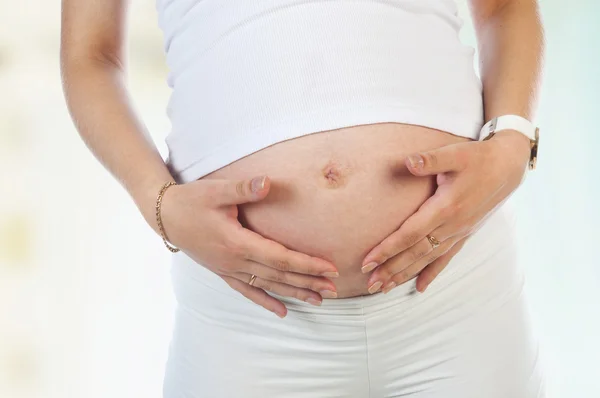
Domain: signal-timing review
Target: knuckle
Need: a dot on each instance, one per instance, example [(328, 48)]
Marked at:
[(388, 251), (431, 258), (412, 238), (416, 255), (279, 277), (384, 274), (265, 285), (281, 264), (240, 188), (384, 256), (300, 294), (432, 159), (411, 256), (404, 275), (425, 251), (312, 286), (310, 269), (426, 248)]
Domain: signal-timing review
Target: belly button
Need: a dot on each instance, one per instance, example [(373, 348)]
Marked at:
[(334, 176)]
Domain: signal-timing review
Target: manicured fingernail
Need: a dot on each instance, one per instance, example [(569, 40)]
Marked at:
[(257, 184), (369, 267), (416, 161), (389, 287), (312, 301), (375, 287), (328, 294), (331, 274)]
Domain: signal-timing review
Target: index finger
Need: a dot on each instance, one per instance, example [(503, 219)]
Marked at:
[(273, 254), (413, 230)]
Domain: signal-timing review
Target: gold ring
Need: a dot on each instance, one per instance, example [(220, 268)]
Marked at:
[(434, 242), (252, 279)]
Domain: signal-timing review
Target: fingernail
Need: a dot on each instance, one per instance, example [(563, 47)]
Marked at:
[(331, 274), (416, 161), (328, 294), (279, 314), (369, 267), (375, 287), (257, 184), (389, 287), (312, 301)]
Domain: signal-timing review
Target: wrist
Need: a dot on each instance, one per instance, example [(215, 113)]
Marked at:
[(145, 195), (513, 144), (159, 215)]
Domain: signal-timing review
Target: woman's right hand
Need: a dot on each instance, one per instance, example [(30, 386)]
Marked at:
[(201, 218)]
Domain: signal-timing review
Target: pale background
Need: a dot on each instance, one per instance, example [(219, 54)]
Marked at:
[(85, 299)]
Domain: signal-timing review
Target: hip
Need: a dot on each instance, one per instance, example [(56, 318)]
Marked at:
[(468, 335)]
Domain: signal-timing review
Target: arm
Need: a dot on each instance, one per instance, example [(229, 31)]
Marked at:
[(93, 75), (201, 215), (510, 39), (474, 178)]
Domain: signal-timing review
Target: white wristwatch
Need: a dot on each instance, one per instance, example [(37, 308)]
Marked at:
[(516, 123)]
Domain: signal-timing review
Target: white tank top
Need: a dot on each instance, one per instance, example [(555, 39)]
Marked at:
[(246, 74)]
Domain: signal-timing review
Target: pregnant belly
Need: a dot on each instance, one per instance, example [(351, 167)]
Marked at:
[(336, 194)]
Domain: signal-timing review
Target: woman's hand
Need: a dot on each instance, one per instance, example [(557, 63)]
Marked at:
[(473, 179), (201, 218)]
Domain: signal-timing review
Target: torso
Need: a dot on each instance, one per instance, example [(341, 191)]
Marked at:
[(337, 194), (254, 80)]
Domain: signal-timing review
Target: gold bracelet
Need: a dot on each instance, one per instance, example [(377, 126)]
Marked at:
[(159, 220)]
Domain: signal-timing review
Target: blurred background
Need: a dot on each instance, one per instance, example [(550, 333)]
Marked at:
[(85, 297)]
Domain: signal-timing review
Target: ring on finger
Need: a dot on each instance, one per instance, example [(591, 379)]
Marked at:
[(434, 242), (252, 280), (414, 269)]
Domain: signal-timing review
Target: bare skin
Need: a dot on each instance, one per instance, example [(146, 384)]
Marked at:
[(339, 202), (306, 232)]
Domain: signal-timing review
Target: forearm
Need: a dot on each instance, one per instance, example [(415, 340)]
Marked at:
[(104, 117), (511, 50)]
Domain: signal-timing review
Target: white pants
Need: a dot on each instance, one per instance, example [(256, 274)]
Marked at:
[(467, 336)]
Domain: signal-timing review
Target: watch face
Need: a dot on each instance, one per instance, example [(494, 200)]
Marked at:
[(534, 150)]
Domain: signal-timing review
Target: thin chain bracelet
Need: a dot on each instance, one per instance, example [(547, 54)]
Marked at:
[(159, 220)]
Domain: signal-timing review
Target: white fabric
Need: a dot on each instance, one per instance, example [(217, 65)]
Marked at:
[(508, 122), (467, 336), (247, 74)]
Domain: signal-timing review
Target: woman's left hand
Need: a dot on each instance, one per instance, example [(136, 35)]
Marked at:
[(473, 179)]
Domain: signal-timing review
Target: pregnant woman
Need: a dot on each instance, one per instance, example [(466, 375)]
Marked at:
[(327, 163)]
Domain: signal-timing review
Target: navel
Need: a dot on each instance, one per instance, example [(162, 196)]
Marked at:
[(335, 175)]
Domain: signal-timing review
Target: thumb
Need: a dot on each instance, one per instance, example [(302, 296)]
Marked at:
[(436, 161), (244, 191)]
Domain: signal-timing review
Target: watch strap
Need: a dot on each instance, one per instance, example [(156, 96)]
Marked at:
[(508, 122)]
